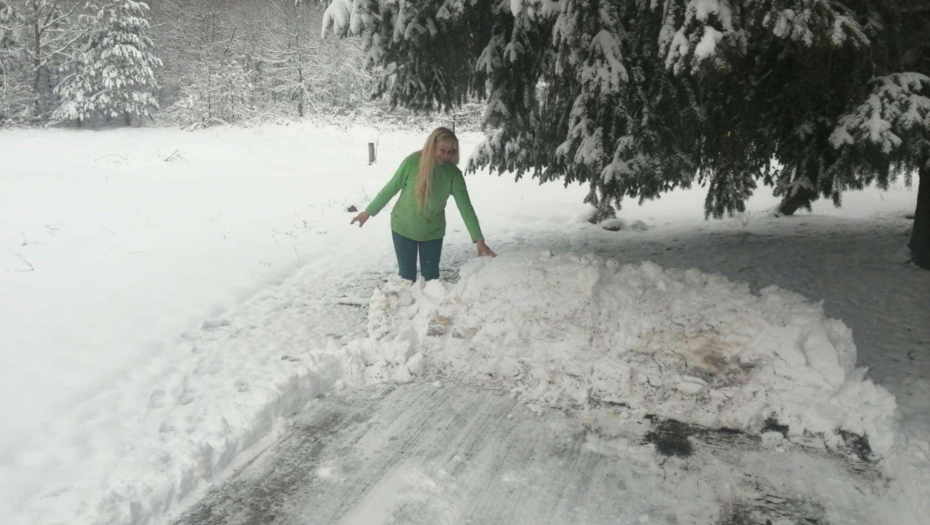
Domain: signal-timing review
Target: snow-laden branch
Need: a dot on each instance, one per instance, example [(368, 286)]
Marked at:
[(691, 33), (897, 105)]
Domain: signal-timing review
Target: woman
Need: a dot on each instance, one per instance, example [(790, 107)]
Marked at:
[(425, 180)]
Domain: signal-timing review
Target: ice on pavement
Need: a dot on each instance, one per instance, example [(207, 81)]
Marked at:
[(568, 331)]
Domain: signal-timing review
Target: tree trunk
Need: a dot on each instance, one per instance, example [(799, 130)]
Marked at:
[(300, 62), (801, 199), (920, 236), (37, 66)]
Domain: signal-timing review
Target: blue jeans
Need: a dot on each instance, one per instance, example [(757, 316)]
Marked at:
[(407, 249)]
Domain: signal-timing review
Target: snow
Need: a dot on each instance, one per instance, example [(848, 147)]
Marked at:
[(708, 44), (677, 49), (561, 331), (337, 16), (620, 224), (161, 321), (895, 105), (678, 43), (704, 8), (609, 72)]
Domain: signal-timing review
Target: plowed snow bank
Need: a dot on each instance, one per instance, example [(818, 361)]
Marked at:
[(567, 331)]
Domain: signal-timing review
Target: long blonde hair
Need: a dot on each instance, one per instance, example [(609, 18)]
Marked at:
[(428, 163)]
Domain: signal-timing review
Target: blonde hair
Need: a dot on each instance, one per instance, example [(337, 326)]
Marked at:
[(428, 163)]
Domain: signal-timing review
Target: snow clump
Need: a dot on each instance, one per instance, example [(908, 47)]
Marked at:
[(568, 332)]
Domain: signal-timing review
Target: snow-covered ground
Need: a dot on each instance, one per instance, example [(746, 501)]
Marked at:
[(162, 296)]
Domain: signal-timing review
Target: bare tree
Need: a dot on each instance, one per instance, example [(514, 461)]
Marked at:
[(48, 32), (285, 53)]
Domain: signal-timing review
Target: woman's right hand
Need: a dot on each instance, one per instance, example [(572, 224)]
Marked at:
[(360, 218)]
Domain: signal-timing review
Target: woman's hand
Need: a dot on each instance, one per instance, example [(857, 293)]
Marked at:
[(484, 250), (360, 218)]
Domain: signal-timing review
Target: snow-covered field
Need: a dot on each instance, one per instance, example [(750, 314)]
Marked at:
[(161, 290)]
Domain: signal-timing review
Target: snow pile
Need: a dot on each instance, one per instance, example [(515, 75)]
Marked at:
[(616, 225), (210, 408), (569, 331)]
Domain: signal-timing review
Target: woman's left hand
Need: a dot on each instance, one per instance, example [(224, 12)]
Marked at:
[(484, 250)]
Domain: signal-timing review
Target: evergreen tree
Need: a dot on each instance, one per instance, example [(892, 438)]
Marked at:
[(76, 89), (114, 72), (634, 98)]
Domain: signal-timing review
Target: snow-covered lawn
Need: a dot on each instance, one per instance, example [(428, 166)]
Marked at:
[(161, 292)]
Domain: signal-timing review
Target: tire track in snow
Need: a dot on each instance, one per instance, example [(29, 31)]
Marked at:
[(418, 453)]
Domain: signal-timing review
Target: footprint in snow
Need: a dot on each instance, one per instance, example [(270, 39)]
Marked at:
[(157, 398), (186, 395)]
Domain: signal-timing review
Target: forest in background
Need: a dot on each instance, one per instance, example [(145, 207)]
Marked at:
[(813, 98), (193, 63)]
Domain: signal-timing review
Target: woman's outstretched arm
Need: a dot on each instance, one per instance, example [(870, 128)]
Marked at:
[(463, 202), (385, 195)]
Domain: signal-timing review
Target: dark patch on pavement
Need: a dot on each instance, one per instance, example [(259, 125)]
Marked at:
[(674, 438), (769, 509)]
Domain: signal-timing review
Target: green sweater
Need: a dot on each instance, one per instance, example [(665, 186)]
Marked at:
[(430, 223)]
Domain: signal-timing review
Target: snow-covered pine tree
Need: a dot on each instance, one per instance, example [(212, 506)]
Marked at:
[(638, 97), (442, 73), (78, 85), (75, 90), (114, 76)]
